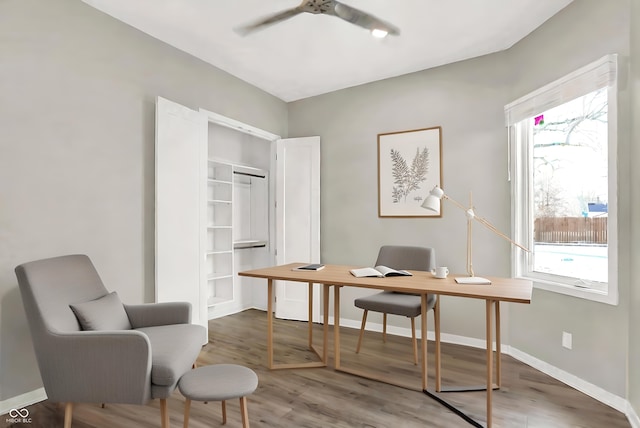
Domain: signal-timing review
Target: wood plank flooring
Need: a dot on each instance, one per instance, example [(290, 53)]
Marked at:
[(323, 398)]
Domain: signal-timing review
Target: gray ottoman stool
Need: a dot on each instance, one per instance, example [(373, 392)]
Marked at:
[(218, 382)]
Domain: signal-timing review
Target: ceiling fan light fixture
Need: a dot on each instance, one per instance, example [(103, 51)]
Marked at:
[(379, 33)]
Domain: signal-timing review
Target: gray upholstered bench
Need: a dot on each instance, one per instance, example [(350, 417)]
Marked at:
[(218, 382)]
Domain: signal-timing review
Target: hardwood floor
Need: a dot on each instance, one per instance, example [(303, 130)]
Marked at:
[(322, 398)]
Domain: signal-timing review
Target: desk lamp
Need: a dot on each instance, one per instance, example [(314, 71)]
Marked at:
[(432, 203)]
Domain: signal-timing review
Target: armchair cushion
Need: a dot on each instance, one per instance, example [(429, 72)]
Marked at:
[(175, 348), (104, 313)]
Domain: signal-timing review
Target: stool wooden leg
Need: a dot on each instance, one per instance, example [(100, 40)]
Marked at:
[(245, 412), (187, 409), (224, 412)]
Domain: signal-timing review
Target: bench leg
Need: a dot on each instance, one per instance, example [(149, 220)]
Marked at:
[(224, 412), (187, 410), (245, 412)]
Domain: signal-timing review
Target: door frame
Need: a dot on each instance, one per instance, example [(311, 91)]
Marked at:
[(236, 125)]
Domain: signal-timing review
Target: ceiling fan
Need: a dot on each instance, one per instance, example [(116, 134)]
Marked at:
[(350, 14)]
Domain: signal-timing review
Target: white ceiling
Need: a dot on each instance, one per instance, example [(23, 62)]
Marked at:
[(309, 54)]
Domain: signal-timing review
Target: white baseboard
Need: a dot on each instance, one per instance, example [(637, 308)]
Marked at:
[(23, 400), (632, 416), (594, 391)]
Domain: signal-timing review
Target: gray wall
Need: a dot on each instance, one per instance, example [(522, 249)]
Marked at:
[(77, 105), (583, 32), (348, 121), (467, 100)]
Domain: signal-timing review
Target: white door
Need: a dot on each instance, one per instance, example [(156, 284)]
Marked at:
[(181, 144), (297, 221)]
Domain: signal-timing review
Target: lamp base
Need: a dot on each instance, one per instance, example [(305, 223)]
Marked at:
[(472, 280)]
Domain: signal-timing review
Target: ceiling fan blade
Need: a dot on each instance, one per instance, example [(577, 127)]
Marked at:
[(363, 19), (265, 22)]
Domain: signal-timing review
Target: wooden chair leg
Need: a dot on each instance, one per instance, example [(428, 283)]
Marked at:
[(364, 322), (68, 415), (187, 411), (414, 341), (245, 412), (384, 327), (224, 412), (164, 413)]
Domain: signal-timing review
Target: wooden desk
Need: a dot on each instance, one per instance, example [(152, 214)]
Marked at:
[(423, 283)]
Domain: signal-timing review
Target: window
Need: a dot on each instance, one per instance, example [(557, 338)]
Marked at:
[(563, 146)]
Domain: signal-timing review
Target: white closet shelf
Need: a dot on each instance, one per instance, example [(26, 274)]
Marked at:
[(218, 275), (216, 251), (249, 243)]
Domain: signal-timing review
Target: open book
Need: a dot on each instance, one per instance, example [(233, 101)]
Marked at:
[(379, 271)]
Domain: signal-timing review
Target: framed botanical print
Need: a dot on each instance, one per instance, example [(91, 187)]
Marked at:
[(409, 166)]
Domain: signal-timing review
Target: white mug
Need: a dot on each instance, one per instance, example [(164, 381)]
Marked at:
[(441, 272)]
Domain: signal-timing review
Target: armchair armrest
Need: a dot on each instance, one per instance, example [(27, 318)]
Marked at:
[(96, 366), (155, 314)]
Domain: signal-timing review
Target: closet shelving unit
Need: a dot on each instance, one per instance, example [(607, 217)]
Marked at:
[(219, 251)]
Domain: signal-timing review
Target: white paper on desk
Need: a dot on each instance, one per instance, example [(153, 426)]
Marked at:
[(472, 280)]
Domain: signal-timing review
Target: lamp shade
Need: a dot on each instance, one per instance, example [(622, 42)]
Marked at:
[(432, 203)]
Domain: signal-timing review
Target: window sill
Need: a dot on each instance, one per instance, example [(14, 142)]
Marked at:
[(609, 297)]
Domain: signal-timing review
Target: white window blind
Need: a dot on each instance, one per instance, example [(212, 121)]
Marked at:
[(598, 74)]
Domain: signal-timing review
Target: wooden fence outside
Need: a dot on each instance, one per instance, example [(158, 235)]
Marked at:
[(587, 230)]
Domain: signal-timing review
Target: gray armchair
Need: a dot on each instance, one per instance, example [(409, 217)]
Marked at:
[(91, 348), (408, 305)]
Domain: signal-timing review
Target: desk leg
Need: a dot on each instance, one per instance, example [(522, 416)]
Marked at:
[(270, 323), (310, 321), (489, 328), (336, 326), (270, 334), (436, 326), (325, 308), (498, 352), (423, 342), (489, 362)]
